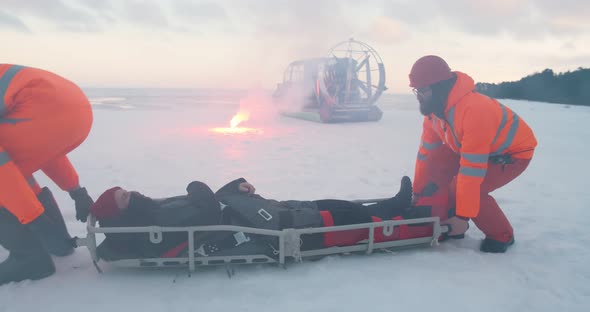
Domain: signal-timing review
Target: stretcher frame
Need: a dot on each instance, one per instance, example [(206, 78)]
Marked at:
[(289, 242)]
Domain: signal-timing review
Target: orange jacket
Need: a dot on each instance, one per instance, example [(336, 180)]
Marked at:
[(42, 117), (476, 127)]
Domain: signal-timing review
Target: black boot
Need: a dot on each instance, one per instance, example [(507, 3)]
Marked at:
[(27, 258), (396, 205), (405, 192), (52, 211), (494, 246), (51, 237), (31, 266)]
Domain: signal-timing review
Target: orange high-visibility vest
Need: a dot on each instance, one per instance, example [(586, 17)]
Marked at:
[(42, 117), (476, 127)]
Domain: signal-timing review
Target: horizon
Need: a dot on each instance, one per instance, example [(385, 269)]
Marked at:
[(271, 89), (229, 44)]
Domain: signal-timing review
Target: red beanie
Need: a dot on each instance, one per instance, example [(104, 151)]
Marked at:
[(105, 206), (429, 70)]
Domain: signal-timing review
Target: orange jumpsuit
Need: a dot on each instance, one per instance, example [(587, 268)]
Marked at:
[(42, 118), (455, 155)]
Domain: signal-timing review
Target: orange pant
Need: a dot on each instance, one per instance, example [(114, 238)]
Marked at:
[(48, 118), (444, 165)]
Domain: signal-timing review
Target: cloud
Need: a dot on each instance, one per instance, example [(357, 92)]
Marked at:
[(566, 15), (385, 30), (524, 19), (304, 28), (477, 17), (180, 16), (199, 11), (312, 20), (13, 23), (58, 12), (560, 62), (301, 18), (101, 15), (145, 13), (99, 5), (104, 9)]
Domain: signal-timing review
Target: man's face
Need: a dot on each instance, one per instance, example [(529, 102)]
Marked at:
[(424, 96), (122, 198)]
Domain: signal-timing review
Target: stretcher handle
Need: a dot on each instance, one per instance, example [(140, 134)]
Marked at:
[(446, 228)]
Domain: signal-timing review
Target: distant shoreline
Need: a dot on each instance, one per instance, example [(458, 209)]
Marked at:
[(572, 87)]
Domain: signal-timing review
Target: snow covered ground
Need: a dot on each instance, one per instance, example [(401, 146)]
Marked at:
[(157, 141)]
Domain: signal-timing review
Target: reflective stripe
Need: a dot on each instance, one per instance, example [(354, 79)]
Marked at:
[(421, 156), (502, 123), (476, 158), (4, 83), (13, 121), (4, 158), (510, 136), (452, 125), (473, 172), (431, 146)]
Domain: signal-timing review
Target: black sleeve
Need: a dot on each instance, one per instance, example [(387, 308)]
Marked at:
[(204, 200), (230, 188), (200, 192)]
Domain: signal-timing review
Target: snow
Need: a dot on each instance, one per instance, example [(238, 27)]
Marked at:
[(158, 141)]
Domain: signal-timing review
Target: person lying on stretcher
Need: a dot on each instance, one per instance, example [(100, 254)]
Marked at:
[(236, 203)]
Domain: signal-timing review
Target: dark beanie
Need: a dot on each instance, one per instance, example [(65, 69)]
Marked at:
[(429, 70)]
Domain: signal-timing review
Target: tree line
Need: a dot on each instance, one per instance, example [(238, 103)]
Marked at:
[(571, 87)]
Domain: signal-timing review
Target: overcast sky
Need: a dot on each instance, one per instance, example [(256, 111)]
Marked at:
[(248, 43)]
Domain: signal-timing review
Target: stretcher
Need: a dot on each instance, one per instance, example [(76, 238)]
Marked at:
[(257, 251)]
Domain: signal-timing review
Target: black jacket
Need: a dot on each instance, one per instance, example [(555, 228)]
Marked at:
[(197, 207), (253, 210), (200, 206)]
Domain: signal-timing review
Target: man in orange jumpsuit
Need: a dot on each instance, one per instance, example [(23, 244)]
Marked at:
[(42, 118), (471, 145)]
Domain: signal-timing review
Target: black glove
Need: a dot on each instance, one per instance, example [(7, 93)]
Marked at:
[(83, 202)]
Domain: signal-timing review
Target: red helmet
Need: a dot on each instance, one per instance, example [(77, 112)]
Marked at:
[(429, 70)]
